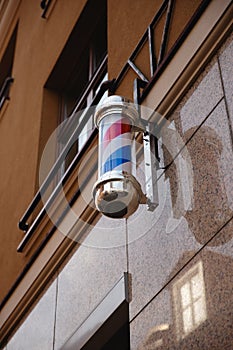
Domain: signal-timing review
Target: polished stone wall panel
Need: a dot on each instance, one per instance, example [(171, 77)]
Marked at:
[(89, 275), (201, 99), (156, 327), (37, 331), (194, 204)]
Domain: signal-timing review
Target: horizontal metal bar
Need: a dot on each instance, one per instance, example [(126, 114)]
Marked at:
[(54, 194), (92, 83), (80, 104), (64, 179), (23, 221)]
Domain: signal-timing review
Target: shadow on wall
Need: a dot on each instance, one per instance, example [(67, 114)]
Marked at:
[(200, 308), (210, 204), (209, 209)]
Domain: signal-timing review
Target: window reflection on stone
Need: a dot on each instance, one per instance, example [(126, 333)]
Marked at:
[(189, 300), (156, 337), (198, 314)]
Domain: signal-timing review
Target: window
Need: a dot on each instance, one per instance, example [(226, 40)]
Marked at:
[(6, 65), (190, 301), (79, 72), (84, 71)]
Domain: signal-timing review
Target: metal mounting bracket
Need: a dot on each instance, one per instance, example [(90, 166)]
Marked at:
[(151, 157)]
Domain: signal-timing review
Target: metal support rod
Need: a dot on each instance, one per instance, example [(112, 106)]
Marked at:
[(137, 86), (151, 156), (23, 225), (165, 31), (153, 63), (137, 71), (150, 144)]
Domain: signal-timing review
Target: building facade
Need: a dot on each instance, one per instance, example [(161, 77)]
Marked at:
[(72, 278)]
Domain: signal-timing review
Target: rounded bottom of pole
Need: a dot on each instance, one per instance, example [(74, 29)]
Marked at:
[(117, 195)]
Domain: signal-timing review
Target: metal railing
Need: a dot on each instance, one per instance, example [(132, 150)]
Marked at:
[(157, 64), (156, 67), (23, 225)]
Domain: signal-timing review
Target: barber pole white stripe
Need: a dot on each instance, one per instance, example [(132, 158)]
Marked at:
[(116, 145)]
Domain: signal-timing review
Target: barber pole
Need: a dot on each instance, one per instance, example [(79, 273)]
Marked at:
[(117, 193), (116, 145)]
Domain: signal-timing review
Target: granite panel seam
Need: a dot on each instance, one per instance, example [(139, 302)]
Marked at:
[(225, 100), (55, 312), (127, 245), (194, 133)]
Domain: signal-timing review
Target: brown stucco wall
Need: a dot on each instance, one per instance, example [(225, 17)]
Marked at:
[(23, 132)]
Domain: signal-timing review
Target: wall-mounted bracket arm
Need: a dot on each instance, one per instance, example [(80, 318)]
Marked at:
[(151, 159)]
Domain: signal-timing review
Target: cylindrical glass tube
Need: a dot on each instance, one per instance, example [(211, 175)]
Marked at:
[(117, 193), (116, 145)]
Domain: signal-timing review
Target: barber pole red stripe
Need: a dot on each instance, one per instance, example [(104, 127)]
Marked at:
[(118, 128), (116, 144)]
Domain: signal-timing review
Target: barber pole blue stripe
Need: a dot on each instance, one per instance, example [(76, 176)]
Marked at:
[(118, 157), (115, 147), (118, 142)]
